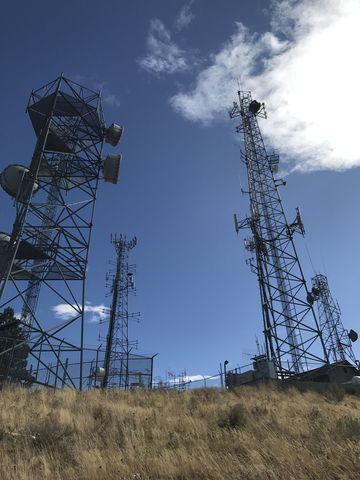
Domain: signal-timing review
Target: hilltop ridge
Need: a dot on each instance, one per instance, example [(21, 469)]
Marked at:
[(208, 434)]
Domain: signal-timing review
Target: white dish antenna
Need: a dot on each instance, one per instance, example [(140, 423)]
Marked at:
[(15, 181), (100, 373)]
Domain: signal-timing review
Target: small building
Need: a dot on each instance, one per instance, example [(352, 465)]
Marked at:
[(338, 372), (263, 369)]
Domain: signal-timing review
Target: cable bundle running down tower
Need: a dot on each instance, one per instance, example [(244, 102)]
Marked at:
[(337, 340), (292, 334), (118, 345)]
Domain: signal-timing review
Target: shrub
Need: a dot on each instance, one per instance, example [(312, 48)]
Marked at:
[(347, 428), (236, 417), (334, 393)]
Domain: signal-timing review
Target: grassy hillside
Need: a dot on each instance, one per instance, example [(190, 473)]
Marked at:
[(251, 433)]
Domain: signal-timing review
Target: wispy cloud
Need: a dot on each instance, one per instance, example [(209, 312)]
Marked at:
[(215, 85), (184, 17), (164, 55), (95, 313), (107, 96), (305, 69), (110, 98)]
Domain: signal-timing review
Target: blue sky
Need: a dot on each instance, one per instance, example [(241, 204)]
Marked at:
[(168, 71)]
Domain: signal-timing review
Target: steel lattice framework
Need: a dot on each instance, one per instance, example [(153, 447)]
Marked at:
[(45, 234), (336, 338), (292, 335), (117, 363), (49, 243)]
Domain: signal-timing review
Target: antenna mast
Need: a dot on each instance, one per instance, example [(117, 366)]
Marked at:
[(337, 340), (292, 334), (118, 345)]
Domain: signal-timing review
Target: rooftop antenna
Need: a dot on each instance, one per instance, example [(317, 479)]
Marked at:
[(239, 83), (258, 345)]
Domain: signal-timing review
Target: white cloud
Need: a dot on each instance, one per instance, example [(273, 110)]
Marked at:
[(95, 313), (196, 378), (190, 379), (307, 71), (164, 55), (110, 98), (184, 17)]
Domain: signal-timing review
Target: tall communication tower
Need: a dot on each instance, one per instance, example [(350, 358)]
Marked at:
[(118, 346), (337, 340), (292, 333), (49, 244)]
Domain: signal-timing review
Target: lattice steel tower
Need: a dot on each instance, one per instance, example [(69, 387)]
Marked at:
[(49, 243), (337, 340), (292, 334), (32, 292), (118, 345)]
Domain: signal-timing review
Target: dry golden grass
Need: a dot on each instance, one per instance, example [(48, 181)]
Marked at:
[(251, 433)]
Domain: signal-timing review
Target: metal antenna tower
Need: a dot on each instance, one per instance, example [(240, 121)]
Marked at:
[(45, 234), (118, 345), (49, 244), (337, 340), (292, 334)]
